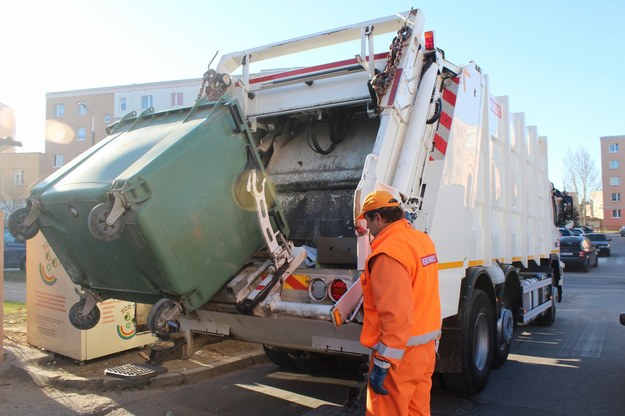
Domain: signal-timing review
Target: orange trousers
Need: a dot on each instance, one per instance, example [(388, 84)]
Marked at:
[(408, 386)]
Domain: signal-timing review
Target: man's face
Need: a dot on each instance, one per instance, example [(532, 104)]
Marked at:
[(375, 224)]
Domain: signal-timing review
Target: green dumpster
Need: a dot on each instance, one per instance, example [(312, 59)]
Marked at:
[(159, 209)]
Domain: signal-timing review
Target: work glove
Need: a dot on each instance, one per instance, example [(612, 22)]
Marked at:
[(377, 375)]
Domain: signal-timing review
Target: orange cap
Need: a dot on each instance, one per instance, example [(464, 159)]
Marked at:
[(377, 199)]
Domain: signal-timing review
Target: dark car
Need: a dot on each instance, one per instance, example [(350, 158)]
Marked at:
[(14, 252), (564, 232), (586, 229), (601, 242), (578, 252)]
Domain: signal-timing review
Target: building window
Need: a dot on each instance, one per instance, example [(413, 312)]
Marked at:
[(146, 101), (613, 147), (58, 160), (82, 109), (81, 134), (122, 103), (615, 180), (107, 118), (614, 164), (176, 99), (616, 213), (59, 110), (616, 196), (19, 177)]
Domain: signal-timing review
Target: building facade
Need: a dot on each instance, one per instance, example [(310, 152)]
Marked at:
[(76, 120), (18, 172), (613, 181)]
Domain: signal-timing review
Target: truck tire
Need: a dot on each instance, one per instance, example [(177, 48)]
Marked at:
[(502, 345), (477, 347), (511, 297), (550, 315)]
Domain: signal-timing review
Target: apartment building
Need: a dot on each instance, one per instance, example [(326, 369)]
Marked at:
[(76, 120), (18, 172), (613, 181)]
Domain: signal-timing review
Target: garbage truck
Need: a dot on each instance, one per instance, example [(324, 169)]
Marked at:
[(236, 217)]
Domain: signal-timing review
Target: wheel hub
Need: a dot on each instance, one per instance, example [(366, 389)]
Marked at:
[(505, 326)]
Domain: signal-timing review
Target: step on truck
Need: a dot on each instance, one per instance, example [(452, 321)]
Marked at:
[(307, 144)]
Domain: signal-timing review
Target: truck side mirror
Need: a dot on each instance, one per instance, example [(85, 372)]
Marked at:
[(567, 205)]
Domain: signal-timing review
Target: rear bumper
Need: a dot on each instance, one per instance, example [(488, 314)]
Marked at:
[(573, 262)]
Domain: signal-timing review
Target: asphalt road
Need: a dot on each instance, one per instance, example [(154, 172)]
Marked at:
[(576, 366)]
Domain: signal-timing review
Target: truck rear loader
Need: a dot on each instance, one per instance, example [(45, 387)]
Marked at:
[(236, 217)]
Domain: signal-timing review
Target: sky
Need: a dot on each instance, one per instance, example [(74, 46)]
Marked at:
[(558, 61)]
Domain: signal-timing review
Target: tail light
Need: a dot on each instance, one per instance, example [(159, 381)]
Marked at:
[(337, 289), (582, 253), (429, 40)]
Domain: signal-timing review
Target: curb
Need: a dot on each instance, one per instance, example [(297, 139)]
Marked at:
[(31, 361)]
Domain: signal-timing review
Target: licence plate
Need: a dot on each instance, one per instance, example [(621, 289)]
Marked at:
[(566, 254)]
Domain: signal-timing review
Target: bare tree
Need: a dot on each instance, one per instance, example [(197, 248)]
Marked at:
[(11, 196), (581, 176)]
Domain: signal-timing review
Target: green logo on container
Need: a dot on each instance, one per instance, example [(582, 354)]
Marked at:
[(127, 330)]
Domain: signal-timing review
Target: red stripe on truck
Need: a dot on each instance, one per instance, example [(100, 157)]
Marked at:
[(440, 144), (450, 97), (311, 69), (391, 96), (446, 120)]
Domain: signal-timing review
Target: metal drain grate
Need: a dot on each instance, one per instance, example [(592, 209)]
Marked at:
[(446, 404), (135, 371)]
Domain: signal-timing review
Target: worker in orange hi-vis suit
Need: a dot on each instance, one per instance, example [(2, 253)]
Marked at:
[(402, 311)]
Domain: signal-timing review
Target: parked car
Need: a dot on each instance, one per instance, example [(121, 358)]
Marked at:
[(586, 229), (601, 242), (564, 232), (577, 231), (578, 252), (622, 231), (14, 252)]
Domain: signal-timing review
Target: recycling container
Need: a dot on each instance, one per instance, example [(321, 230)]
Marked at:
[(160, 208)]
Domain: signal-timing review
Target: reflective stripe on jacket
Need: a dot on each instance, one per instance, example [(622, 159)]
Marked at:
[(400, 290)]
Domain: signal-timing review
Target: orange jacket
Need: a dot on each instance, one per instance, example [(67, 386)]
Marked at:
[(400, 289)]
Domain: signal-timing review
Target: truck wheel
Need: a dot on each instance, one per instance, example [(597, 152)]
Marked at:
[(503, 338), (280, 358), (550, 315), (17, 227), (478, 340), (83, 321)]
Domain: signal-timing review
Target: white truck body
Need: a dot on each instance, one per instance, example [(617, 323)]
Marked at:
[(470, 172)]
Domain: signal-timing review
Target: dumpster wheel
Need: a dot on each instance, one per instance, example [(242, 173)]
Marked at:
[(83, 321), (99, 228), (163, 311), (17, 227)]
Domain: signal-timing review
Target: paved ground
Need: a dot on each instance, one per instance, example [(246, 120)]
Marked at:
[(14, 291), (26, 370)]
